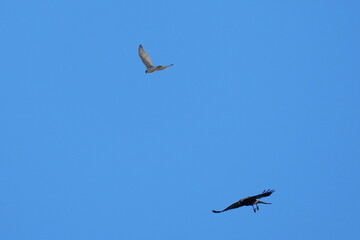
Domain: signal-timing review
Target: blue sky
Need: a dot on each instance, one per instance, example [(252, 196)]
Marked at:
[(262, 94)]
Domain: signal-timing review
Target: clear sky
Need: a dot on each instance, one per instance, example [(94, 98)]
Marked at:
[(262, 94)]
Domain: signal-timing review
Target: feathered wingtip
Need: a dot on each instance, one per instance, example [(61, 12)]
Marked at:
[(214, 211), (268, 191)]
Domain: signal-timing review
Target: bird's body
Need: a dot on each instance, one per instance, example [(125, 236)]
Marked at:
[(148, 63), (157, 68), (249, 201)]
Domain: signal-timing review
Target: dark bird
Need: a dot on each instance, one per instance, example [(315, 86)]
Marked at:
[(145, 58), (249, 201)]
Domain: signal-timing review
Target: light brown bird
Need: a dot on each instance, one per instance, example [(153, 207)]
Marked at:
[(147, 62)]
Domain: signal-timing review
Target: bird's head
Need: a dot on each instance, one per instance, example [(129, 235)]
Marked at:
[(146, 71)]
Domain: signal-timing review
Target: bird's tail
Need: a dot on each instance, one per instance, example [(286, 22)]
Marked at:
[(163, 67)]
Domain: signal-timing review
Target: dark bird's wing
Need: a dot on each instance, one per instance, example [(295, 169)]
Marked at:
[(232, 206), (145, 57), (265, 193)]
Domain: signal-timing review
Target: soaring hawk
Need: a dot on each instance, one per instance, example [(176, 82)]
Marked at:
[(249, 201), (147, 61)]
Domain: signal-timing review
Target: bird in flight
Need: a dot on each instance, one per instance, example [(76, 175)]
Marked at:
[(147, 61), (249, 201)]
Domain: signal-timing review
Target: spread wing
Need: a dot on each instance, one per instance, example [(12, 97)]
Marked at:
[(145, 57), (232, 206), (265, 193)]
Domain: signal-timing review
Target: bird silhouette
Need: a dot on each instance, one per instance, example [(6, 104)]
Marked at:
[(249, 201)]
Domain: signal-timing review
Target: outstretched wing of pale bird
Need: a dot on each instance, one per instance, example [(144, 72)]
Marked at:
[(145, 57), (265, 193)]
